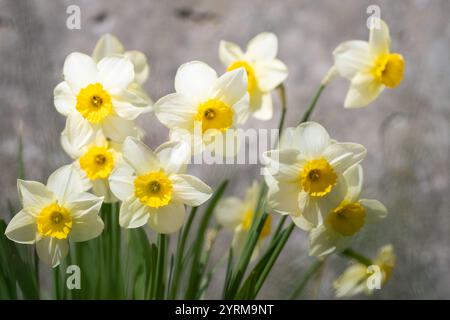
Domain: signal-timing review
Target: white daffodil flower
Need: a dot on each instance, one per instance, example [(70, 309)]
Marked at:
[(54, 213), (155, 188), (264, 71), (204, 108), (305, 173), (100, 93), (354, 280), (109, 45), (345, 220), (238, 215), (94, 155), (370, 66)]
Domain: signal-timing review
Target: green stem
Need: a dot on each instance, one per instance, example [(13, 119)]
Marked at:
[(282, 93), (279, 227), (312, 104), (56, 283), (350, 253), (305, 279), (162, 243)]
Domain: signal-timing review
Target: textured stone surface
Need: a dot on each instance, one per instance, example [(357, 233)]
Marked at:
[(406, 131)]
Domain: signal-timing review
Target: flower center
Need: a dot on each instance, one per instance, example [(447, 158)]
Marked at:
[(153, 189), (347, 218), (248, 220), (54, 221), (97, 162), (214, 114), (318, 177), (251, 78), (94, 103), (388, 69)]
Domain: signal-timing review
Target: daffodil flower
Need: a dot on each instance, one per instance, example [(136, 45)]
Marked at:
[(346, 219), (237, 215), (204, 107), (100, 93), (354, 280), (94, 155), (54, 213), (155, 188), (370, 66), (264, 71), (305, 173)]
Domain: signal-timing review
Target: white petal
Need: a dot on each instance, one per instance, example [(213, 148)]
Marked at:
[(363, 90), (64, 99), (100, 187), (79, 71), (312, 139), (229, 212), (352, 57), (283, 165), (116, 73), (107, 45), (342, 156), (231, 86), (195, 79), (65, 182), (263, 46), (174, 156), (270, 74), (52, 251), (175, 111), (189, 190), (375, 210), (139, 156), (141, 67), (309, 208), (379, 39), (167, 219), (34, 194), (22, 228), (129, 105), (86, 228), (333, 199), (352, 281), (323, 241), (121, 182), (117, 129), (354, 179), (282, 198), (229, 52), (77, 134), (302, 223), (133, 214), (83, 204), (242, 110), (264, 111)]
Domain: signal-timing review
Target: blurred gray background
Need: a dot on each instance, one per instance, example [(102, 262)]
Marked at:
[(406, 131)]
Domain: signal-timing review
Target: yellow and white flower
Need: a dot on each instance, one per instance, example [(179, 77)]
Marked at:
[(54, 213), (204, 106), (264, 71), (109, 45), (370, 66), (345, 220), (238, 215), (155, 188), (305, 174), (354, 280), (94, 155), (100, 93)]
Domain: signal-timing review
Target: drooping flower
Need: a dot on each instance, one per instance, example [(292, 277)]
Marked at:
[(355, 279), (345, 220), (54, 213), (238, 215), (264, 71), (370, 66), (95, 156), (100, 94), (305, 174), (204, 107), (154, 187)]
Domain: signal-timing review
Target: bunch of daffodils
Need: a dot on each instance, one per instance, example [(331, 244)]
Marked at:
[(91, 212)]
